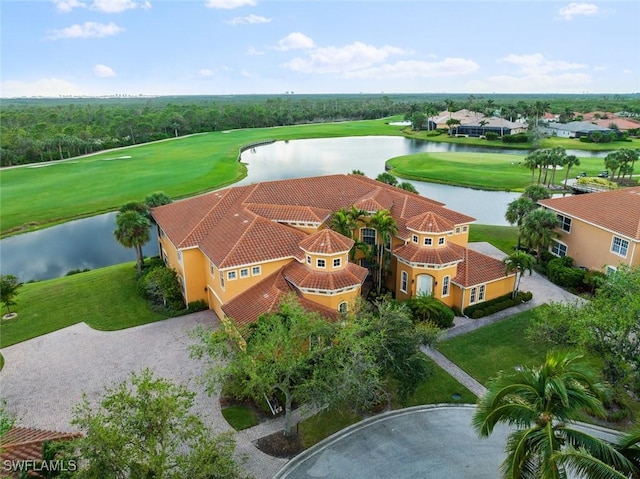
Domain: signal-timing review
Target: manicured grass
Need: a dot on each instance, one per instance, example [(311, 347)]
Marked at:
[(487, 171), (576, 144), (105, 299), (499, 346), (502, 237), (240, 417), (322, 425), (40, 195), (440, 388)]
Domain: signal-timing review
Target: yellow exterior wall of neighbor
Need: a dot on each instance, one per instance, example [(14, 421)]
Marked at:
[(590, 246), (194, 275)]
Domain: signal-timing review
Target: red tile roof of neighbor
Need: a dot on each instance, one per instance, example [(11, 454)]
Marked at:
[(25, 444), (477, 268), (621, 123), (615, 210)]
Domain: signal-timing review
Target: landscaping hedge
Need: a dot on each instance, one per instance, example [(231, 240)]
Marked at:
[(497, 304)]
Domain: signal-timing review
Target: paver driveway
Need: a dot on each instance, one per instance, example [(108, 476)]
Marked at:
[(44, 377)]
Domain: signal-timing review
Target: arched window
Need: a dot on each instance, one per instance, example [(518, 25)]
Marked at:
[(368, 236), (445, 286), (343, 307)]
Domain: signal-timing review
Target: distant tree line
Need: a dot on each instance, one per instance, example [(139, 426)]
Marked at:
[(39, 130)]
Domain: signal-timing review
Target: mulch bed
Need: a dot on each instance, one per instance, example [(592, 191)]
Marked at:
[(279, 445)]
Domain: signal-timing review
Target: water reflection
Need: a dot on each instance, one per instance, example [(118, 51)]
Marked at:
[(89, 243)]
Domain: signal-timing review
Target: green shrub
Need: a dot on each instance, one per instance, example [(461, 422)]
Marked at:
[(560, 271), (491, 135), (195, 306), (427, 308), (517, 138), (498, 304)]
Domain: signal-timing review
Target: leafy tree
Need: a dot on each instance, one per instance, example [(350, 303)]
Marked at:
[(144, 428), (542, 402), (161, 286), (516, 212), (358, 172), (387, 178), (417, 120), (385, 226), (133, 230), (536, 193), (9, 286), (538, 229), (518, 262), (451, 123), (405, 185)]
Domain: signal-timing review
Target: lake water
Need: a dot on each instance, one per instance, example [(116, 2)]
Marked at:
[(89, 243)]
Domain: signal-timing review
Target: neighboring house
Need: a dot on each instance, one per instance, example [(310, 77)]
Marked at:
[(242, 248), (573, 129), (622, 124), (21, 446), (494, 124), (464, 116), (598, 230)]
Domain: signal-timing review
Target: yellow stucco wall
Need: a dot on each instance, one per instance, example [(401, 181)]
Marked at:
[(493, 290), (413, 281), (590, 246), (333, 301), (311, 260)]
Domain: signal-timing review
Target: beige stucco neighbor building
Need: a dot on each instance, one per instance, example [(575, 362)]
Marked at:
[(241, 249), (599, 230)]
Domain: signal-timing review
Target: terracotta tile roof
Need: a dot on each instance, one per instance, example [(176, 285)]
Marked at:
[(265, 297), (621, 123), (24, 444), (326, 241), (477, 268), (414, 254), (301, 276), (615, 210), (376, 200), (430, 222), (304, 214)]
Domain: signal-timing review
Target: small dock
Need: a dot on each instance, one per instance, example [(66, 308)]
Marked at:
[(589, 188)]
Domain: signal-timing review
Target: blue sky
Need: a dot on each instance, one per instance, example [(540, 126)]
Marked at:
[(147, 47)]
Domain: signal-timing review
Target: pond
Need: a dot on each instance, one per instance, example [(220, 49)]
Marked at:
[(89, 243)]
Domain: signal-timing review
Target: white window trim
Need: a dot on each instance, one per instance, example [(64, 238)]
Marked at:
[(230, 274), (561, 220), (254, 272), (179, 254), (324, 266), (404, 278), (375, 235), (346, 307), (482, 293), (560, 243), (414, 238), (246, 273), (441, 241), (613, 242), (212, 270), (428, 241), (446, 283), (308, 259), (339, 261), (473, 295)]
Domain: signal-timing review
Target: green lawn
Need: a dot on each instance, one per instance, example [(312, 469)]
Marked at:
[(35, 196), (486, 171), (240, 417), (502, 237), (105, 299)]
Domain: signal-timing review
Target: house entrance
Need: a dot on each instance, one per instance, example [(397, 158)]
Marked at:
[(424, 285)]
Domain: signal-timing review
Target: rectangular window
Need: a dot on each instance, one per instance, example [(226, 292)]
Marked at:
[(308, 259), (222, 281), (610, 269), (231, 275), (415, 238), (458, 230), (564, 223), (212, 270), (337, 262), (428, 241), (404, 279), (445, 286), (441, 241), (559, 249), (244, 273), (256, 271), (180, 256), (472, 298), (464, 229), (368, 236), (320, 263), (620, 246), (481, 293)]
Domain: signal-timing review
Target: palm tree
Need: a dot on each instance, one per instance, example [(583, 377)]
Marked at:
[(517, 210), (342, 222), (536, 193), (570, 161), (133, 230), (520, 262), (542, 402), (538, 229), (385, 226), (451, 122)]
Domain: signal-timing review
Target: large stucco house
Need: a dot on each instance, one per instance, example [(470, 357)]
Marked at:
[(242, 248), (599, 231)]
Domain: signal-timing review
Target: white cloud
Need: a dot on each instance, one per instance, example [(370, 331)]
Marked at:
[(44, 87), (103, 71), (205, 72), (117, 6), (536, 64), (252, 51), (348, 58), (68, 5), (294, 41), (249, 20), (575, 8), (87, 30), (418, 69), (246, 74), (229, 4), (600, 68)]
